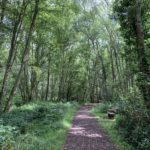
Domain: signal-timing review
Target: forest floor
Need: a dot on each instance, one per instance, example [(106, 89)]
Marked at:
[(85, 133)]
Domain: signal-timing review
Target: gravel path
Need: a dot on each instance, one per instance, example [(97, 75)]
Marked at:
[(85, 133)]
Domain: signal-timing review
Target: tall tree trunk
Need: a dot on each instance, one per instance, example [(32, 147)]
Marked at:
[(103, 70), (143, 64), (24, 58), (48, 79), (12, 50)]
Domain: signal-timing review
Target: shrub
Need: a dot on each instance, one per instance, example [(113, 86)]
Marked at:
[(134, 123), (31, 121), (7, 136), (45, 113), (103, 108)]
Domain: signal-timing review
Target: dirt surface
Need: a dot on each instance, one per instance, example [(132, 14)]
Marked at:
[(85, 133)]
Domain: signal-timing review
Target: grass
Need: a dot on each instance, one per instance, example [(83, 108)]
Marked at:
[(42, 133), (48, 138), (109, 127)]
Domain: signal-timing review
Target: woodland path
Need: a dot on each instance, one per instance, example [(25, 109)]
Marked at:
[(85, 133)]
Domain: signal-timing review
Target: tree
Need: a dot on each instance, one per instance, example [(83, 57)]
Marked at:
[(130, 15)]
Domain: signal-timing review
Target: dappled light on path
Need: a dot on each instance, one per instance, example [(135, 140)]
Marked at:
[(85, 133)]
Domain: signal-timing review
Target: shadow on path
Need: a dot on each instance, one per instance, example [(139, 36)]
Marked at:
[(85, 133)]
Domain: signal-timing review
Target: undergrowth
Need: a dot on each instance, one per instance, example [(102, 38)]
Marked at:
[(130, 129), (100, 111), (36, 126)]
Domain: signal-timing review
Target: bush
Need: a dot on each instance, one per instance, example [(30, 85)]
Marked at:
[(134, 123), (18, 118), (32, 125), (7, 136), (46, 113), (103, 108), (18, 101)]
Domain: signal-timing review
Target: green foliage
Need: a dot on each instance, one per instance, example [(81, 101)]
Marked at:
[(75, 52), (18, 118), (133, 122), (36, 126), (7, 136), (21, 117), (109, 125), (103, 108)]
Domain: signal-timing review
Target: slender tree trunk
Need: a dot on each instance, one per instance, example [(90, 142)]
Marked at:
[(12, 51), (103, 71), (24, 58), (48, 79)]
